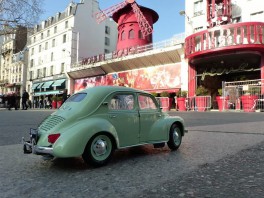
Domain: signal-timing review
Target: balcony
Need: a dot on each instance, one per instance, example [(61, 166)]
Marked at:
[(239, 36)]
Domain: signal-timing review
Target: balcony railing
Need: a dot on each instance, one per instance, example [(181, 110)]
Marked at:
[(177, 39), (239, 35)]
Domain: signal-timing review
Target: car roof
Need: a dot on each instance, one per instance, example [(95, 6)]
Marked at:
[(109, 89)]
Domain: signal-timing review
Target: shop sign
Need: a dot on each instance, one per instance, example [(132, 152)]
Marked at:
[(115, 54)]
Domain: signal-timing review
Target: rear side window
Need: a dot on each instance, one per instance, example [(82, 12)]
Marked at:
[(76, 97), (122, 102), (146, 102)]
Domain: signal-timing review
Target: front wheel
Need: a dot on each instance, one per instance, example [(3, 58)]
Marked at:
[(175, 137), (98, 150)]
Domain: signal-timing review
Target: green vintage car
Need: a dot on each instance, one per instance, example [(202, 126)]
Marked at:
[(94, 122)]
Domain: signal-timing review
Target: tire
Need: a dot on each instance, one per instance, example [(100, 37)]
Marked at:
[(175, 137), (98, 150)]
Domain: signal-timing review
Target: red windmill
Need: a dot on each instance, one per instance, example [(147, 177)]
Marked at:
[(135, 23)]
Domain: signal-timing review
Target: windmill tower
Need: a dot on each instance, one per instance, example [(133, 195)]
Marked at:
[(135, 23)]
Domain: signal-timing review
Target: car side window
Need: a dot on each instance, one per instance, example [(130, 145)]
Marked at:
[(146, 102), (122, 102)]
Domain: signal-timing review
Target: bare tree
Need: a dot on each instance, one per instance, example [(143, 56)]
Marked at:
[(14, 13)]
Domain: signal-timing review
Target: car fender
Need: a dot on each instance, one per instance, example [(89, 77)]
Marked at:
[(161, 129), (73, 140)]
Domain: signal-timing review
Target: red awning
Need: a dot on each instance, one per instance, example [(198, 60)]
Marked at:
[(10, 85)]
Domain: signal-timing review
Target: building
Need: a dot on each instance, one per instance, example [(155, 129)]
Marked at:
[(137, 62), (225, 43), (13, 62), (63, 40)]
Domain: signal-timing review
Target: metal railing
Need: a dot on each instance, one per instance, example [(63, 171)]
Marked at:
[(245, 95), (231, 35), (177, 39)]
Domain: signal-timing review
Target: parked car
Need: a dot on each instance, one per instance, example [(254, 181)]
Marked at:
[(94, 122)]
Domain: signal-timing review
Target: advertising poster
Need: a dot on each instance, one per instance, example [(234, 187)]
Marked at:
[(148, 79)]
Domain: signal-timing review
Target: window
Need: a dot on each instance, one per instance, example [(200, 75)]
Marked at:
[(106, 51), (107, 41), (122, 102), (198, 8), (39, 48), (31, 75), (46, 45), (38, 73), (131, 34), (32, 51), (76, 97), (42, 36), (48, 33), (107, 29), (146, 102), (51, 56), (140, 35), (53, 42), (44, 71), (51, 70), (34, 39), (64, 38), (31, 63), (55, 29), (62, 68), (123, 36), (66, 24)]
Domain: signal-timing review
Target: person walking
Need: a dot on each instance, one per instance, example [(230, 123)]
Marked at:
[(25, 97), (12, 102)]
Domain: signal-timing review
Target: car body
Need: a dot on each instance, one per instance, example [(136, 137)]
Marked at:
[(94, 122)]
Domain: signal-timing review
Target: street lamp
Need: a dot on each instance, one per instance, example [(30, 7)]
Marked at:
[(183, 13)]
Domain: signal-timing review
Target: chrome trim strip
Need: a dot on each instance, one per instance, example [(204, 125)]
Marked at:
[(142, 144)]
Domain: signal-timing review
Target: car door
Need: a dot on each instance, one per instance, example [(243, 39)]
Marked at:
[(124, 117), (150, 117)]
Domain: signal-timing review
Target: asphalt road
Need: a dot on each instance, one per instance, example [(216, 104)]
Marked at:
[(220, 156)]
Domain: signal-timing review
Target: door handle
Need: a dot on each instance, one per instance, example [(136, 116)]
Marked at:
[(112, 116)]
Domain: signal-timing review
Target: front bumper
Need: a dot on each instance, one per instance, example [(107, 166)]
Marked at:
[(31, 146)]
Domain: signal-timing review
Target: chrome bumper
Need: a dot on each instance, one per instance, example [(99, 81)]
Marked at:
[(31, 147)]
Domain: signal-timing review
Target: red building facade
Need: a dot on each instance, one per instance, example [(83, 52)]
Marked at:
[(225, 51)]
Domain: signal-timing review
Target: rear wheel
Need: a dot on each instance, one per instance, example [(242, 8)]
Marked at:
[(98, 150), (175, 137)]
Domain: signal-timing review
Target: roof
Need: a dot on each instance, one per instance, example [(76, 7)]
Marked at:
[(103, 90)]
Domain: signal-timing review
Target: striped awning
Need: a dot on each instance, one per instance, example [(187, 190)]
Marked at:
[(47, 84), (39, 85), (58, 82), (47, 92), (34, 86)]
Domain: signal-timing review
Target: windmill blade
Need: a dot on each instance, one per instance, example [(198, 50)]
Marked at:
[(144, 25), (102, 15)]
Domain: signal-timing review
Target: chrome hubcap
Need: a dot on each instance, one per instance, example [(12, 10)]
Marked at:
[(100, 147), (176, 137)]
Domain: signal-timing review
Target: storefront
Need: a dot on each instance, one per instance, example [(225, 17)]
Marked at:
[(45, 90)]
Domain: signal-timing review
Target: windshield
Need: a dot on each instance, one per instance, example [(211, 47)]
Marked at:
[(76, 97)]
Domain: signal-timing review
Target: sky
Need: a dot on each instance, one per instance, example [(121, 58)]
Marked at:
[(170, 22)]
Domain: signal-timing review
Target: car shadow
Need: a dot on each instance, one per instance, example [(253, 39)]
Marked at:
[(120, 156)]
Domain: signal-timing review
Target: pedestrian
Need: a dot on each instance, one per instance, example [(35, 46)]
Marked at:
[(29, 104), (25, 97), (64, 96), (12, 102)]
